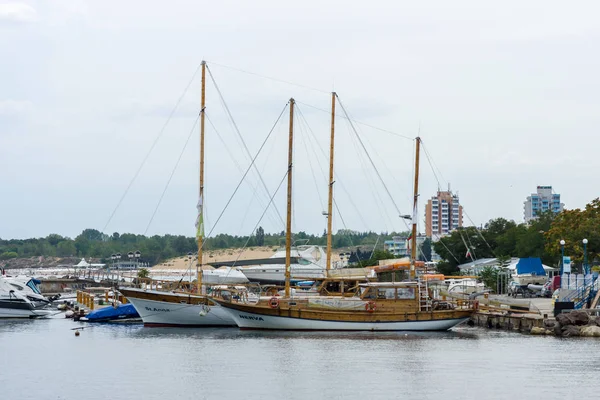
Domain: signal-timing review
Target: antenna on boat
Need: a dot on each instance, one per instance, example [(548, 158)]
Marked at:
[(330, 201), (200, 222), (413, 250), (288, 232)]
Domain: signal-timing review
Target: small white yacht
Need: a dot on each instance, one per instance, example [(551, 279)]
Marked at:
[(464, 286), (15, 304), (28, 286), (308, 262)]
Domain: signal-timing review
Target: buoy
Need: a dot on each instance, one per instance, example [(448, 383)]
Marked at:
[(76, 333)]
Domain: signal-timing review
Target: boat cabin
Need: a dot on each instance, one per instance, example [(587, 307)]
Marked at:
[(389, 290)]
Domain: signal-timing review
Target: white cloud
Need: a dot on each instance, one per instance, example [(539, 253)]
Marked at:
[(17, 12)]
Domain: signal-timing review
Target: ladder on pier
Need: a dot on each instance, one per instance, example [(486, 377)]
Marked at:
[(424, 298)]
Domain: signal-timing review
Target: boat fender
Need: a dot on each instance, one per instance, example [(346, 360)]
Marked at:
[(476, 305), (204, 310), (371, 306), (274, 302)]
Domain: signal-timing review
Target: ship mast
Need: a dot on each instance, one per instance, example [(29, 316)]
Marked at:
[(413, 249), (288, 233), (200, 231), (330, 201)]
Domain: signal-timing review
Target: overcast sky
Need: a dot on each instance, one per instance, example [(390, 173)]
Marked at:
[(505, 96)]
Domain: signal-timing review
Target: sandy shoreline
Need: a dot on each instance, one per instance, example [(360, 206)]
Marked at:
[(182, 263)]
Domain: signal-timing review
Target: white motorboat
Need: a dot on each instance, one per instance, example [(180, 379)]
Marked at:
[(220, 276), (464, 286), (15, 304), (310, 265), (158, 308), (28, 286)]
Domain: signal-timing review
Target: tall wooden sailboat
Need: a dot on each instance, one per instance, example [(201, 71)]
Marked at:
[(380, 306), (163, 308)]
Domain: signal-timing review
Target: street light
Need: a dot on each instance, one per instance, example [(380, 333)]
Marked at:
[(585, 260), (562, 260)]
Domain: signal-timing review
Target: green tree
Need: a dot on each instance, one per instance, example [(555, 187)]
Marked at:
[(53, 239), (8, 255), (573, 226), (425, 250), (489, 276), (143, 273), (66, 248), (260, 236)]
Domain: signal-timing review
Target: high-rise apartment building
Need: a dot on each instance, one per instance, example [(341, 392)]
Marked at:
[(541, 201), (443, 213)]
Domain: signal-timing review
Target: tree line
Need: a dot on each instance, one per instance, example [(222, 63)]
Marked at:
[(540, 238), (157, 248)]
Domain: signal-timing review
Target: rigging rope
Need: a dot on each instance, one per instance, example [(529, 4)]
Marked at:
[(338, 180), (238, 166), (227, 110), (160, 133), (359, 122), (171, 176), (433, 168), (259, 221), (303, 140), (369, 157), (269, 78), (252, 164)]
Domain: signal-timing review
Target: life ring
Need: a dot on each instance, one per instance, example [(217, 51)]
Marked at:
[(371, 306), (274, 302)]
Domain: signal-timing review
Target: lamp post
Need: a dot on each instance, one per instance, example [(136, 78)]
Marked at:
[(118, 258), (137, 256), (585, 260), (562, 259)]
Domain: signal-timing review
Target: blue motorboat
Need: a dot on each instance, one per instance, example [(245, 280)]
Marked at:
[(109, 314)]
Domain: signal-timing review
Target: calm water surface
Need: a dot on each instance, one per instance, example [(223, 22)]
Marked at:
[(44, 360)]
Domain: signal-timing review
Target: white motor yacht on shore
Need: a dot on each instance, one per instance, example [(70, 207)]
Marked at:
[(310, 264), (15, 304)]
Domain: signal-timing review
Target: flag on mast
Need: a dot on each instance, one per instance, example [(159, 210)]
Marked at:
[(199, 220)]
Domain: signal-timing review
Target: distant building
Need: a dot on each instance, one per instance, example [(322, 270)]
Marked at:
[(443, 214), (543, 200), (400, 245)]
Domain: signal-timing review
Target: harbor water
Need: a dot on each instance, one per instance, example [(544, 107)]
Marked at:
[(43, 359)]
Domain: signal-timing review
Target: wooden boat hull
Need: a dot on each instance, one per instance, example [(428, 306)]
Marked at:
[(177, 309), (253, 317)]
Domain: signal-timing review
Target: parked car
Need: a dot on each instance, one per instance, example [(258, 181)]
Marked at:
[(514, 289)]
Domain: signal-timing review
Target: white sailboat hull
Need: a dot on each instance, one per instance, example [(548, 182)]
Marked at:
[(246, 320), (162, 313)]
